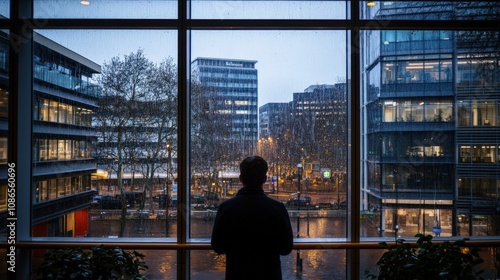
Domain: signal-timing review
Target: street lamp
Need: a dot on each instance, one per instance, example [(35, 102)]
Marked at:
[(337, 175), (299, 175), (167, 200)]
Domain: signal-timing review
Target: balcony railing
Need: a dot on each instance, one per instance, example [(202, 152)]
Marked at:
[(57, 78)]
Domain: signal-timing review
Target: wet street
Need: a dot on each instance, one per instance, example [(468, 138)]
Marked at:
[(317, 264)]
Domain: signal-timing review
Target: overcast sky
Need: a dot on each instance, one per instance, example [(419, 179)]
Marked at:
[(288, 61)]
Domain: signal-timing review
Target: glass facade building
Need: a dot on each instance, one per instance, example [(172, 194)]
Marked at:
[(63, 102), (430, 101), (230, 86), (272, 118)]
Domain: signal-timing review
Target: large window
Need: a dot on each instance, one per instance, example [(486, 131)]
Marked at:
[(477, 113), (131, 119)]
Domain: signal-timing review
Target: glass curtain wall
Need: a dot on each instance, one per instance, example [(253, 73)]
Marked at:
[(236, 74), (141, 112)]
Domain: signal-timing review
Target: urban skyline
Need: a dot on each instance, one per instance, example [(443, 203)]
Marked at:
[(283, 67)]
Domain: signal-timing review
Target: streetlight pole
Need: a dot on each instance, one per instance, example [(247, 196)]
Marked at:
[(167, 200), (307, 205), (337, 177), (299, 175)]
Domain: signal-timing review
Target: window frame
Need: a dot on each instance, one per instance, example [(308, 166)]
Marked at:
[(21, 22)]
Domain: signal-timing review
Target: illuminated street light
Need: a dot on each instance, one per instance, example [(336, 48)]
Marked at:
[(167, 199), (299, 175)]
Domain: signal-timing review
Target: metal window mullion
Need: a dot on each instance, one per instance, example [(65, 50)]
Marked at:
[(20, 125), (183, 120), (352, 266)]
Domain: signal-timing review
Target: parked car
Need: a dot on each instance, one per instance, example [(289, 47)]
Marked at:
[(305, 202), (163, 201), (133, 197), (198, 202), (326, 205), (106, 202), (96, 200), (211, 206), (343, 205)]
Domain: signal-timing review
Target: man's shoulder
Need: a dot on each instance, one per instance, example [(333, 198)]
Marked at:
[(229, 202)]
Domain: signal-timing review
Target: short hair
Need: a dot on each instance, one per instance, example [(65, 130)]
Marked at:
[(253, 171)]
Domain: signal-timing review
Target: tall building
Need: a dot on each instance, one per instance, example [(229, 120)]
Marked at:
[(64, 99), (304, 129), (229, 90), (430, 105), (320, 125), (271, 119)]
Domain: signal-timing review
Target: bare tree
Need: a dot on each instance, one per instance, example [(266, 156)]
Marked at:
[(136, 118), (212, 144)]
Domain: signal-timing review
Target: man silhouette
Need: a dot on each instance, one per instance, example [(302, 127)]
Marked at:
[(252, 229)]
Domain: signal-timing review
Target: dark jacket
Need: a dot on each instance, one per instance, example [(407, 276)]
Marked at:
[(253, 230)]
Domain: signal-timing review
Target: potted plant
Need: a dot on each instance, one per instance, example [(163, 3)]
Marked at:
[(99, 263), (427, 261)]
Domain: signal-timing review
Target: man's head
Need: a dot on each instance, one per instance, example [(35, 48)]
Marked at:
[(253, 171)]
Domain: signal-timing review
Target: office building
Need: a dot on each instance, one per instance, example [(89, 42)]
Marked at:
[(320, 125), (311, 129), (430, 125), (272, 118), (229, 86), (63, 101)]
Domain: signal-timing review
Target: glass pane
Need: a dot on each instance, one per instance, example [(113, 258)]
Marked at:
[(277, 9), (161, 263), (105, 133), (291, 83), (4, 93), (430, 10), (5, 8), (315, 264), (368, 261), (119, 9), (430, 104)]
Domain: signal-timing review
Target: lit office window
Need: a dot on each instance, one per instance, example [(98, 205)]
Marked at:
[(3, 197)]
